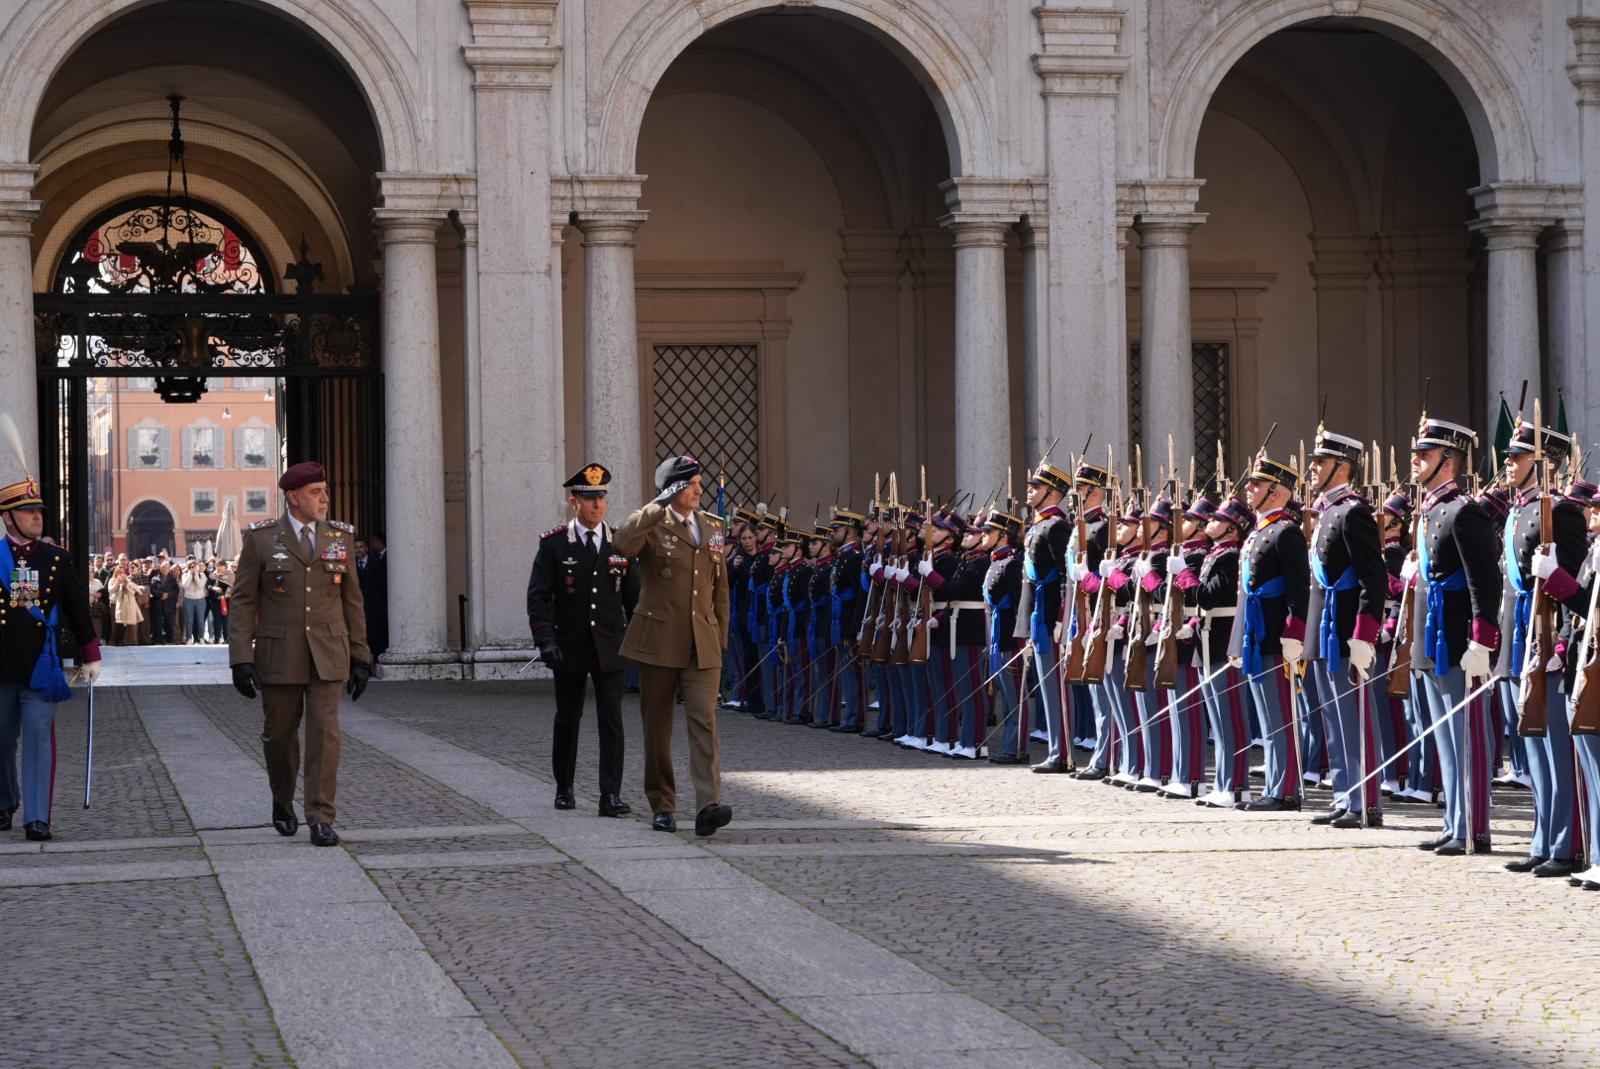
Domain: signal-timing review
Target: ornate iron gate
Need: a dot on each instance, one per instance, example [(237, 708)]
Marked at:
[(324, 349), (1211, 393), (707, 404)]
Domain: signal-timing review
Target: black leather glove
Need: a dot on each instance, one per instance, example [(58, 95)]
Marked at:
[(356, 685), (551, 655), (245, 680)]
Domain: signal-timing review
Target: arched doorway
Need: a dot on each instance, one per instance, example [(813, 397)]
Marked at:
[(277, 316), (792, 253), (150, 530)]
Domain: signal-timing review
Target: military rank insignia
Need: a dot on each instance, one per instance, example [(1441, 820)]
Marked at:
[(619, 568), (24, 587)]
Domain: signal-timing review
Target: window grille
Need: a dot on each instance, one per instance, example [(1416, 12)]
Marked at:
[(707, 406)]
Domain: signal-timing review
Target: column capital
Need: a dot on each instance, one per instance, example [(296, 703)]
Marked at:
[(18, 209), (577, 194), (977, 231), (529, 21), (1167, 231), (1078, 54), (500, 67), (998, 200), (403, 226), (608, 228), (1584, 70), (1516, 206), (436, 194), (1150, 197)]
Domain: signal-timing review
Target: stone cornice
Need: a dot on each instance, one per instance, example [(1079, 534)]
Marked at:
[(998, 200), (500, 67), (520, 21), (1521, 205), (1152, 199), (17, 206), (591, 194), (1584, 70), (1079, 51)]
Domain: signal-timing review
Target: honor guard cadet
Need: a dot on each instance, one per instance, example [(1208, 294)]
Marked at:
[(1002, 591), (911, 680), (580, 596), (797, 628), (1496, 502), (819, 637), (42, 591), (1215, 594), (1528, 560), (1089, 483), (1044, 557), (1143, 632), (745, 688), (961, 640), (298, 633), (1582, 726), (1403, 773), (934, 570), (849, 603), (758, 618), (1116, 595), (1269, 624), (1188, 720), (1457, 573), (1346, 607)]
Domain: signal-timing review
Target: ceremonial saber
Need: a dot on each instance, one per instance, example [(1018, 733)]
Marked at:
[(88, 754), (1435, 726)]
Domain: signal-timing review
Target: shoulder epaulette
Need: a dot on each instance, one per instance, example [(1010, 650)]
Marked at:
[(340, 525), (262, 525), (552, 532)]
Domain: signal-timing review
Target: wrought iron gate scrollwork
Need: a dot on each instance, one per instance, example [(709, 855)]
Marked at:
[(707, 405)]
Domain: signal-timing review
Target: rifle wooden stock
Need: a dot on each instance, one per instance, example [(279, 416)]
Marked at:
[(867, 637), (1586, 687), (920, 623), (1094, 658), (1532, 710), (1078, 654), (1399, 682)]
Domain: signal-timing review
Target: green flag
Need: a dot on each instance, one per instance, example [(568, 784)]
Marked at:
[(1503, 429), (1561, 412)]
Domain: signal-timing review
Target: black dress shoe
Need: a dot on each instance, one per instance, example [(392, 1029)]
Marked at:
[(1008, 759), (1555, 867), (1451, 848), (846, 729), (873, 733), (284, 822), (817, 725), (1525, 864), (5, 818), (1269, 804), (1353, 820), (664, 822), (714, 816), (37, 831), (1434, 843), (612, 805), (324, 835), (1330, 816), (1591, 885), (1090, 774), (1050, 767), (564, 799)]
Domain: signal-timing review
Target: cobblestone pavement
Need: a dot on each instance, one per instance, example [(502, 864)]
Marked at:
[(884, 888)]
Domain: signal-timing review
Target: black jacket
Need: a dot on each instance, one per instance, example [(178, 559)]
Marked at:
[(740, 564), (22, 638), (822, 601), (1278, 549), (1218, 588), (1347, 538), (1044, 566), (581, 599), (848, 590), (1002, 589), (966, 584)]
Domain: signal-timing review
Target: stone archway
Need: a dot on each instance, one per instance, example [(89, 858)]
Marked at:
[(1458, 47), (150, 529), (365, 41), (937, 54)]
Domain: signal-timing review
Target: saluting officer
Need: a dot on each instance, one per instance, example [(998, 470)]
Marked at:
[(580, 596), (677, 635), (41, 585), (298, 632)]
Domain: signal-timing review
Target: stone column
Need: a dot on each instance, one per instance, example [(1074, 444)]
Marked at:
[(873, 262), (1564, 334), (1081, 67), (1166, 354), (1513, 320), (1341, 271), (478, 586), (613, 419), (1585, 75), (520, 464), (982, 371), (19, 377), (1035, 402), (413, 438)]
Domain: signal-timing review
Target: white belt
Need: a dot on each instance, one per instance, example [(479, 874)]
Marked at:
[(956, 609), (1205, 633)]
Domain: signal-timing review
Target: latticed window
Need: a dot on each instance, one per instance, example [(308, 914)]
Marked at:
[(707, 405), (1211, 422)]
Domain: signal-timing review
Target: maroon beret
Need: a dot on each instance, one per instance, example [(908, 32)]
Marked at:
[(302, 474)]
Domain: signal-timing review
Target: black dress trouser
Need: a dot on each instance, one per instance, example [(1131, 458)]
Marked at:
[(608, 716)]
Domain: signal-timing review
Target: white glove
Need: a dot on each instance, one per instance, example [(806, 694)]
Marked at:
[(1408, 571), (902, 573), (1236, 663), (1116, 633), (1186, 632), (1554, 664), (876, 569), (1107, 566), (1475, 662), (91, 671), (925, 566), (933, 623), (1153, 637), (1293, 649), (1362, 654), (1075, 571), (1176, 565), (1141, 569), (1544, 561)]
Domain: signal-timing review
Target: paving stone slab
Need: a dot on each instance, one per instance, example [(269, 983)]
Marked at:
[(913, 1023)]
